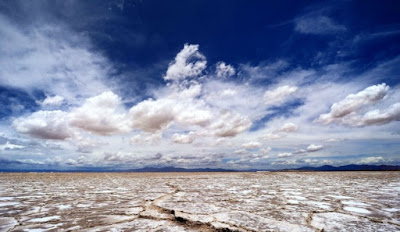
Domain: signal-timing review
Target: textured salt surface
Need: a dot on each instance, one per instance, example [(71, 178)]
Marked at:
[(340, 201)]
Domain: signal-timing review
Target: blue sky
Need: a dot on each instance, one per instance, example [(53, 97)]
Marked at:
[(218, 84)]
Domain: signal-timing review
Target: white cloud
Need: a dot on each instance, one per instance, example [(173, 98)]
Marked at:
[(189, 62), (147, 138), (50, 58), (278, 95), (289, 127), (184, 138), (213, 116), (284, 155), (372, 160), (235, 97), (265, 150), (10, 146), (240, 151), (317, 24), (224, 70), (230, 124), (272, 136), (252, 145), (376, 117), (71, 162), (346, 112), (52, 101), (179, 105), (45, 125), (314, 148), (152, 115), (102, 114)]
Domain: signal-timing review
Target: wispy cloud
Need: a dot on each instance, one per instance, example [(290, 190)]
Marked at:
[(317, 25), (52, 59)]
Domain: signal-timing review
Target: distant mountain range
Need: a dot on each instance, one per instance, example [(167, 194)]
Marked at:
[(173, 169), (325, 168), (352, 167)]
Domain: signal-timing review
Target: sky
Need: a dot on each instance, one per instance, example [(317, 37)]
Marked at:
[(122, 84)]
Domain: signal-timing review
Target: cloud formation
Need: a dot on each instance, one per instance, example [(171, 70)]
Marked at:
[(318, 25), (102, 114), (278, 95), (289, 127), (52, 101), (50, 58), (372, 160), (224, 70), (189, 62), (314, 148), (252, 145), (198, 118), (45, 125), (349, 110), (184, 138)]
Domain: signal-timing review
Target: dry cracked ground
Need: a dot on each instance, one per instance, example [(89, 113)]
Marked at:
[(270, 201)]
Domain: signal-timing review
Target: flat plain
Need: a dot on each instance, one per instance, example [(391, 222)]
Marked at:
[(264, 201)]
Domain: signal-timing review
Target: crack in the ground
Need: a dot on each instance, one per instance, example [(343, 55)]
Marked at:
[(309, 220), (16, 218), (153, 210)]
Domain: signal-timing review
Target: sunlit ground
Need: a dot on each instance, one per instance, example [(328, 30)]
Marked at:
[(269, 201)]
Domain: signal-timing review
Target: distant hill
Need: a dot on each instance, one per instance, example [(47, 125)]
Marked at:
[(351, 167)]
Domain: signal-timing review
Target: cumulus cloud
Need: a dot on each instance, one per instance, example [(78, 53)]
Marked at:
[(376, 117), (180, 105), (189, 62), (317, 25), (70, 162), (52, 101), (184, 138), (278, 95), (147, 138), (346, 112), (224, 70), (102, 114), (183, 105), (372, 160), (289, 127), (152, 115), (314, 148), (284, 155), (230, 124), (87, 145), (45, 125), (252, 145)]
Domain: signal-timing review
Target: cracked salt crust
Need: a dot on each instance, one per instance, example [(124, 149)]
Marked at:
[(343, 201)]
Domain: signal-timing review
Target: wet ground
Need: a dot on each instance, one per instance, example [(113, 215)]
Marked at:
[(267, 201)]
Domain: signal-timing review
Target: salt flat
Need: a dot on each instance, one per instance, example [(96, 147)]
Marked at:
[(268, 201)]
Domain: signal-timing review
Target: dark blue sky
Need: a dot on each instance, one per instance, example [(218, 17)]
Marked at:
[(278, 68), (143, 33)]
